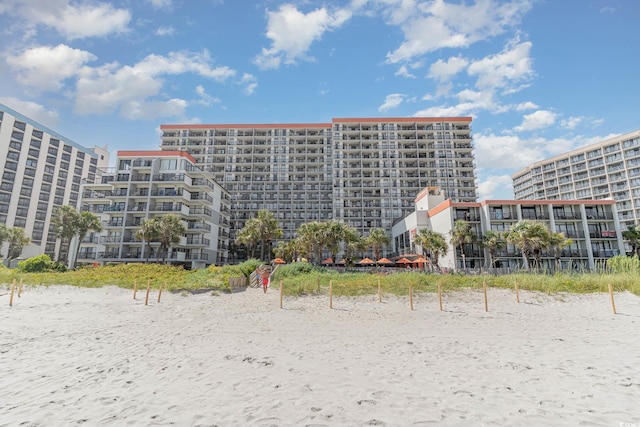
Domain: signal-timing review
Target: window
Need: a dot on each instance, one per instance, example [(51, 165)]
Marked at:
[(19, 125), (20, 222), (23, 212), (37, 134), (54, 142), (34, 152), (67, 148), (80, 155), (168, 164), (79, 163), (45, 188), (18, 136), (9, 176), (11, 166), (51, 160), (61, 182), (64, 166), (32, 163), (13, 155), (53, 151), (23, 203), (35, 144)]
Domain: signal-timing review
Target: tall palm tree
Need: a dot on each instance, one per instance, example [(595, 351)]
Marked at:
[(377, 239), (66, 223), (148, 232), (493, 241), (462, 234), (354, 244), (432, 242), (333, 233), (87, 221), (530, 237), (170, 228), (248, 236), (557, 241), (311, 238), (268, 230), (632, 235), (17, 240)]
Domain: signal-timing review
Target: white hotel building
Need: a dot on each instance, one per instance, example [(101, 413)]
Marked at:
[(41, 171), (607, 169), (148, 184), (362, 171)]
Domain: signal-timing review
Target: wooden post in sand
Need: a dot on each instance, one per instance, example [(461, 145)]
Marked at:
[(379, 291), (411, 297), (613, 303), (517, 291), (135, 288), (486, 302), (280, 293), (146, 300), (13, 288), (330, 293), (160, 293), (20, 288), (440, 295), (318, 283)]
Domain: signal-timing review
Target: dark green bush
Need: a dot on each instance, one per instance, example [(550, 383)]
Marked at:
[(40, 264)]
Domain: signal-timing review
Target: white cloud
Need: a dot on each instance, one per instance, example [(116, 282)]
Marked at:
[(160, 4), (32, 110), (429, 26), (47, 67), (111, 87), (495, 187), (536, 120), (528, 105), (571, 122), (147, 110), (250, 83), (403, 71), (391, 101), (292, 32), (76, 21), (502, 70), (445, 70), (165, 31), (205, 98)]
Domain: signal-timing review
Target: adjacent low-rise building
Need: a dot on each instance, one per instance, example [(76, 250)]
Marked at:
[(148, 184), (592, 226)]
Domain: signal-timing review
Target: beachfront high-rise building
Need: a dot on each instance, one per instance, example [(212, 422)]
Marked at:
[(607, 169), (148, 184), (41, 171), (365, 172)]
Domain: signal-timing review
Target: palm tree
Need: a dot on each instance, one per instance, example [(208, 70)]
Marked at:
[(530, 237), (354, 243), (632, 235), (17, 241), (333, 233), (268, 230), (66, 223), (148, 232), (493, 241), (376, 240), (432, 242), (462, 234), (248, 236), (87, 221), (311, 238), (170, 228), (557, 241)]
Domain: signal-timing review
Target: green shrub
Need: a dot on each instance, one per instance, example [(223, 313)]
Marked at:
[(295, 269), (624, 264), (40, 264)]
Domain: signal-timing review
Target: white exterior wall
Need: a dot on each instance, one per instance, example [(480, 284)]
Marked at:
[(45, 177)]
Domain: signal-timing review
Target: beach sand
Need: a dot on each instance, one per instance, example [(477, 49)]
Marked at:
[(98, 357)]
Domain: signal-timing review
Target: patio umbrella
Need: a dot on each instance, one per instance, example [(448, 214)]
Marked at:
[(420, 261), (328, 261), (366, 261), (384, 261), (279, 261), (403, 261)]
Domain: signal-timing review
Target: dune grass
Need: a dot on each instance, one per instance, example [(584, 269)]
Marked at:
[(304, 279)]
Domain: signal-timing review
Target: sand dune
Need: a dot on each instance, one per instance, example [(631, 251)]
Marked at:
[(98, 357)]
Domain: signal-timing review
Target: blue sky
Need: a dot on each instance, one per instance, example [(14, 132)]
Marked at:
[(539, 77)]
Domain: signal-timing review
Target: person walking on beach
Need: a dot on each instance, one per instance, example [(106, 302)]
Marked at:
[(264, 274)]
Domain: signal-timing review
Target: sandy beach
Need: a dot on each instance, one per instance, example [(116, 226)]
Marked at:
[(99, 357)]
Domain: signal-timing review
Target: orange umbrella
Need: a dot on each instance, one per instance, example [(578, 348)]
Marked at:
[(279, 261), (403, 261), (366, 261), (420, 259), (384, 261), (328, 261)]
